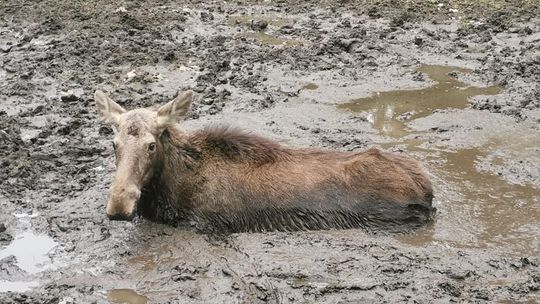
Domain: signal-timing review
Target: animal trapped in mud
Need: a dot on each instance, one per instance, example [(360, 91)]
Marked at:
[(227, 180)]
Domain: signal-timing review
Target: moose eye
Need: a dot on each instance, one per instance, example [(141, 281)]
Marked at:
[(152, 147)]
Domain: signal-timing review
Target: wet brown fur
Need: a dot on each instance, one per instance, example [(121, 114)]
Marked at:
[(228, 180)]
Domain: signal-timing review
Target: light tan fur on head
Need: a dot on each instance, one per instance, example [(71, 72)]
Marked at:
[(109, 110), (174, 110), (136, 145)]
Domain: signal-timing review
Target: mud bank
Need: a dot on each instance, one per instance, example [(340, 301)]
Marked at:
[(304, 74)]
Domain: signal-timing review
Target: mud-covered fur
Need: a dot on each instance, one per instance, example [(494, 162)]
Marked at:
[(224, 179), (228, 180)]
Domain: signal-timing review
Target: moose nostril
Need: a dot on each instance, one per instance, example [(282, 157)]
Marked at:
[(121, 216), (115, 217), (122, 204)]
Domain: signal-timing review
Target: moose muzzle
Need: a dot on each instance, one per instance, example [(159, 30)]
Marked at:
[(122, 204)]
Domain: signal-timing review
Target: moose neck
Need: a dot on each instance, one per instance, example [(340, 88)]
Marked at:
[(167, 196)]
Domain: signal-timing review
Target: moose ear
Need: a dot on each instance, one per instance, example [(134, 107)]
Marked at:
[(109, 110), (175, 110)]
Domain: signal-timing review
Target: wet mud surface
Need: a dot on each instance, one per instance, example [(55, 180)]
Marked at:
[(451, 85)]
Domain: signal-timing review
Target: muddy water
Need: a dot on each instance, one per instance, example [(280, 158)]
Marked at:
[(126, 296), (310, 86), (31, 254), (389, 111), (263, 37), (272, 20), (478, 209), (17, 286), (34, 260), (269, 39)]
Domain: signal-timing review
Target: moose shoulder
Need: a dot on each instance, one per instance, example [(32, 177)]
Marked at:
[(235, 181)]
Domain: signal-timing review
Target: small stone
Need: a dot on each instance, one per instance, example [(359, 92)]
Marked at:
[(453, 74), (526, 31), (286, 29), (170, 56), (205, 16), (419, 76), (207, 101), (213, 110), (4, 47), (258, 25), (68, 96), (483, 295), (131, 74), (199, 88)]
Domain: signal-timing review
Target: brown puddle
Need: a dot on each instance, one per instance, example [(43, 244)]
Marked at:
[(127, 296), (152, 257), (481, 209), (478, 209), (310, 86), (389, 111)]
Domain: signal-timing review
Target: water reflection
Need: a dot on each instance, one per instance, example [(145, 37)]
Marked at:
[(30, 250), (389, 111)]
